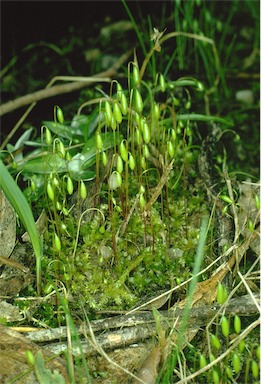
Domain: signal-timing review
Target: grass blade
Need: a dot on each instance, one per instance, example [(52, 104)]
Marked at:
[(18, 201)]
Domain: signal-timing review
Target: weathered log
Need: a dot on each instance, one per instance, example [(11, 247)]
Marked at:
[(119, 331)]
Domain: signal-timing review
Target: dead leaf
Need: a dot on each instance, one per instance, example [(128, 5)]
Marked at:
[(149, 370), (7, 226), (13, 362)]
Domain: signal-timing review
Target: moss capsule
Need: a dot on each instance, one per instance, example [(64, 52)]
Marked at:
[(226, 199), (162, 83), (58, 205), (59, 115), (200, 86), (69, 186), (257, 201), (138, 136), (215, 342), (237, 324), (131, 162), (124, 104), (170, 149), (254, 369), (48, 136), (123, 151), (50, 191), (98, 141), (113, 123), (146, 151), (104, 159), (188, 104), (117, 113), (142, 189), (215, 376), (55, 181), (135, 75), (119, 165), (119, 91), (83, 191), (236, 362), (142, 201), (119, 179), (33, 186), (108, 113), (57, 243), (241, 346), (146, 133), (61, 149), (211, 357), (156, 111), (202, 361), (250, 225), (225, 326), (143, 162), (65, 211), (137, 102), (229, 372), (30, 357)]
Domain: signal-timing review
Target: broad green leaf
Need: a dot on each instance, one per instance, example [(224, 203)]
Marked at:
[(51, 162), (61, 130), (21, 206)]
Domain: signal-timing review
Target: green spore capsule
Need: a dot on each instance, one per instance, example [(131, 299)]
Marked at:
[(137, 102), (108, 113), (117, 113), (226, 199), (225, 326), (146, 133), (237, 324), (57, 243), (215, 342), (123, 151), (241, 346), (162, 83), (202, 361), (119, 165), (48, 136), (170, 149), (254, 369), (215, 376), (98, 141), (50, 191), (135, 75), (59, 115), (69, 186), (131, 162), (236, 362), (104, 159), (83, 191)]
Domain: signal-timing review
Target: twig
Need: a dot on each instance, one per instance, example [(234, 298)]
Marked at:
[(50, 91), (119, 331)]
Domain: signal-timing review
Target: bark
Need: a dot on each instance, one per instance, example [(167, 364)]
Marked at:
[(120, 331)]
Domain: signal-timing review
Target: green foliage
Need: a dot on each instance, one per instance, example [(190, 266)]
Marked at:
[(45, 375), (21, 206), (125, 244)]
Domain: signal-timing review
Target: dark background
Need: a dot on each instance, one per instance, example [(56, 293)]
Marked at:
[(24, 22)]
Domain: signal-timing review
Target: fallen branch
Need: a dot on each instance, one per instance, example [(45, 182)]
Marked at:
[(51, 91), (120, 331)]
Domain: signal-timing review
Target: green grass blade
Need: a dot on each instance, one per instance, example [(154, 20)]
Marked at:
[(18, 201)]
